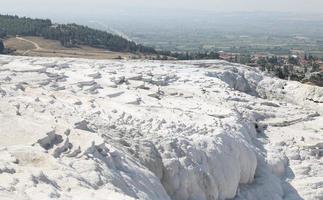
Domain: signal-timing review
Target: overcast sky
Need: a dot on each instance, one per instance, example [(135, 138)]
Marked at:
[(82, 10), (147, 15), (214, 5)]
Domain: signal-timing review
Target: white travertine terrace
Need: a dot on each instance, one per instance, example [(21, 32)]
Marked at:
[(156, 130)]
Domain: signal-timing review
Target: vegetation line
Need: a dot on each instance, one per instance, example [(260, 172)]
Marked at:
[(70, 35)]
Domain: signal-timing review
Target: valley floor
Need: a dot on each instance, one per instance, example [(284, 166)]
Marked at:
[(152, 130)]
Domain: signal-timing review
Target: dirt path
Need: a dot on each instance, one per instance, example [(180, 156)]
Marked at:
[(37, 47)]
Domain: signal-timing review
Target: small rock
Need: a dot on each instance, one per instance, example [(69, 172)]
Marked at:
[(83, 125)]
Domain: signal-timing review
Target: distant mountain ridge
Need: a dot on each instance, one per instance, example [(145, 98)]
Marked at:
[(70, 35)]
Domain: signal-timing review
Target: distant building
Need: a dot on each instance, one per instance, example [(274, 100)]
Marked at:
[(298, 53), (321, 66), (252, 64), (231, 57), (54, 25), (262, 55)]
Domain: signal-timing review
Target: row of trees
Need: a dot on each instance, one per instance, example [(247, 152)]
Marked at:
[(164, 55), (285, 68), (14, 25), (70, 35)]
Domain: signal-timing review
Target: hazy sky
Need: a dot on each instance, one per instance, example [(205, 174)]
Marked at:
[(123, 11), (134, 15), (90, 6)]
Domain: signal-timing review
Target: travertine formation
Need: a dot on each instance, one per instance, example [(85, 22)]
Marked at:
[(153, 130)]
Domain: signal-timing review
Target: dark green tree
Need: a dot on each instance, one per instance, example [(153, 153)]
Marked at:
[(1, 47), (293, 60), (315, 67)]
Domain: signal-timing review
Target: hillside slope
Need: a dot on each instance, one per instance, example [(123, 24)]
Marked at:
[(199, 130), (69, 35), (40, 47)]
